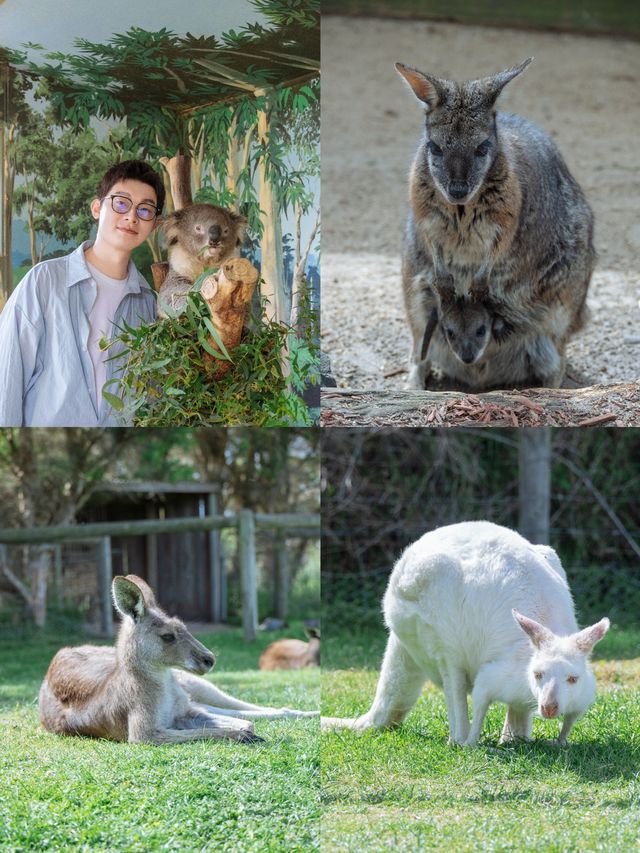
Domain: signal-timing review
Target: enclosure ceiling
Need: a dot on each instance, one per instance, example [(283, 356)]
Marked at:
[(180, 73)]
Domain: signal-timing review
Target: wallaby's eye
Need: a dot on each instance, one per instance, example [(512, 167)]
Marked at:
[(450, 333), (572, 679), (435, 150), (483, 149), (168, 638), (481, 332), (537, 676)]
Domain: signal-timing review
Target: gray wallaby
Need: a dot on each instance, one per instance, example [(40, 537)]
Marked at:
[(491, 196)]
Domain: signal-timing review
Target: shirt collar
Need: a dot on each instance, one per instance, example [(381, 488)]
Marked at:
[(79, 271)]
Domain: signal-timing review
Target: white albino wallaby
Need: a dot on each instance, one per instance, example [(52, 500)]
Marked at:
[(454, 608), (292, 654), (133, 692)]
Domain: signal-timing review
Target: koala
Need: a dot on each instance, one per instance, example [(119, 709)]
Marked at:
[(199, 236)]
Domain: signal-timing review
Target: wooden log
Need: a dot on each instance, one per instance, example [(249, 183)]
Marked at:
[(614, 405), (228, 294), (159, 272)]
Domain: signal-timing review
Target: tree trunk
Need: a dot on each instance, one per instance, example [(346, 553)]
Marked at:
[(273, 287), (179, 171), (39, 566), (534, 481), (228, 294), (8, 178)]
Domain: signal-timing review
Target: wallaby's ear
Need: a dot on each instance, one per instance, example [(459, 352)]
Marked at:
[(588, 637), (312, 633), (430, 90), (128, 598), (492, 86), (537, 633)]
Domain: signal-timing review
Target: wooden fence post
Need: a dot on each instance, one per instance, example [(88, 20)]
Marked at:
[(248, 574), (104, 586)]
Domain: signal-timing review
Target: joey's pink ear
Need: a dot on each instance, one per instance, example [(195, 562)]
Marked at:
[(537, 633), (587, 638)]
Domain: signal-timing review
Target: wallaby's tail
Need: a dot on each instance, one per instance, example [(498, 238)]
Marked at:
[(330, 724)]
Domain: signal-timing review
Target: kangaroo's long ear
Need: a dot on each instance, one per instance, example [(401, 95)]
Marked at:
[(430, 90), (537, 633), (128, 598), (587, 638), (492, 86)]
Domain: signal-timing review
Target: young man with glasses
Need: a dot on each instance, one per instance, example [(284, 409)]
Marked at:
[(52, 367)]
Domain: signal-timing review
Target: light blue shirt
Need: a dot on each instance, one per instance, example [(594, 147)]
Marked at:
[(46, 372)]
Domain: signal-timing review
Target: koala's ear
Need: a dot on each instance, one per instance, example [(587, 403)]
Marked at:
[(240, 223)]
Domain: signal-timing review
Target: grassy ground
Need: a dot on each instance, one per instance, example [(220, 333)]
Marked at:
[(408, 790), (79, 794)]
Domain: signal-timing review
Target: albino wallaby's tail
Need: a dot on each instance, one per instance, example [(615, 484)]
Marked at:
[(330, 724)]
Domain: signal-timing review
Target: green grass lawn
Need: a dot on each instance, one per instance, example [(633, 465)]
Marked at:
[(409, 790), (83, 794)]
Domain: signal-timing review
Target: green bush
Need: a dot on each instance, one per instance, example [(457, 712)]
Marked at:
[(167, 371)]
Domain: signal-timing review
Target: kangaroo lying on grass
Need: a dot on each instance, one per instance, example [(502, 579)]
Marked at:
[(135, 693), (292, 654), (477, 609)]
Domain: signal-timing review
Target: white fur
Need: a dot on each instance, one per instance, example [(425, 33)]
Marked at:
[(477, 609)]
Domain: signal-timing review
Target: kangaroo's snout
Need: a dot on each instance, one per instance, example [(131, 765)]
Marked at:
[(549, 710), (204, 662)]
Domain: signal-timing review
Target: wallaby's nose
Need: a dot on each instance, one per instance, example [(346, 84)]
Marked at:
[(468, 357), (458, 189), (550, 710), (215, 234)]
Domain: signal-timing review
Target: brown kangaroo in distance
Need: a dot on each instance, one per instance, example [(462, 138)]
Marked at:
[(134, 692), (292, 654)]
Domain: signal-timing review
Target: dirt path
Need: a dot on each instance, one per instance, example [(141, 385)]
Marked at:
[(582, 90)]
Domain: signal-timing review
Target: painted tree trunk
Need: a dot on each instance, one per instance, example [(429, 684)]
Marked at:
[(179, 171), (273, 287)]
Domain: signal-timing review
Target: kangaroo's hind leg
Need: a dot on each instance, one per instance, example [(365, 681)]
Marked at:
[(399, 686)]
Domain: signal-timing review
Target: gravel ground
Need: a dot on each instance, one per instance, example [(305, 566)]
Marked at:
[(582, 90)]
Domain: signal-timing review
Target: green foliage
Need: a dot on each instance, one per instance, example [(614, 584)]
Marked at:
[(167, 375)]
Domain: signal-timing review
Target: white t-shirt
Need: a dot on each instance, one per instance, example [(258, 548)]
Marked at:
[(109, 294)]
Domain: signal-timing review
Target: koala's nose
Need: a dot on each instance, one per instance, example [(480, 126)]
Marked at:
[(215, 234), (458, 189)]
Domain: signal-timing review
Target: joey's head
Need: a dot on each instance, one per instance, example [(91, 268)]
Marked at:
[(461, 141), (149, 640), (559, 674), (466, 326)]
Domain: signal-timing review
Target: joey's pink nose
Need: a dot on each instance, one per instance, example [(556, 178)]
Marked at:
[(549, 710)]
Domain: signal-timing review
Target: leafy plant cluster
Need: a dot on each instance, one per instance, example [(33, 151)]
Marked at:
[(166, 371)]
